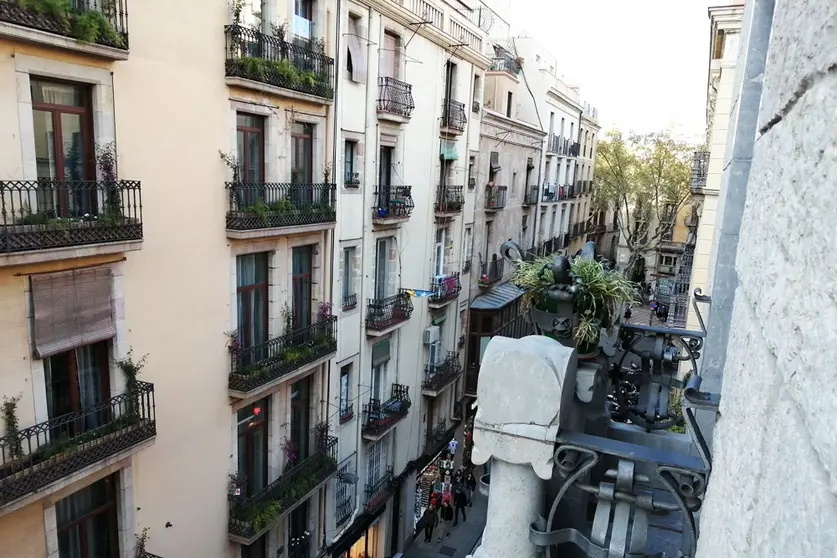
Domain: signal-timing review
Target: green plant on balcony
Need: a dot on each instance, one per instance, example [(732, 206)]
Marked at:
[(131, 370), (12, 425), (84, 25)]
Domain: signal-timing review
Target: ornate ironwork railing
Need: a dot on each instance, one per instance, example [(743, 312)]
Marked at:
[(505, 63), (531, 196), (251, 516), (395, 97), (700, 169), (299, 546), (42, 214), (553, 144), (347, 413), (35, 457), (574, 149), (262, 205), (379, 416), (438, 438), (437, 376), (256, 56), (253, 367), (495, 197), (491, 272), (110, 17), (453, 115), (388, 312), (449, 199), (392, 202), (345, 493), (445, 288), (146, 554), (379, 491), (350, 301)]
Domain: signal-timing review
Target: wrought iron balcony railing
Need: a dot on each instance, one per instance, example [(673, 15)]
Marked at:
[(252, 516), (553, 144), (146, 554), (453, 115), (531, 196), (34, 458), (505, 62), (110, 18), (574, 149), (392, 203), (491, 272), (254, 368), (256, 56), (350, 301), (379, 416), (347, 413), (495, 197), (43, 214), (299, 546), (265, 205), (438, 439), (384, 313), (700, 169), (437, 376), (351, 179), (449, 199), (395, 97), (445, 288), (377, 493)]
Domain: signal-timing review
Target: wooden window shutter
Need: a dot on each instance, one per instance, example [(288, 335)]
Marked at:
[(71, 309)]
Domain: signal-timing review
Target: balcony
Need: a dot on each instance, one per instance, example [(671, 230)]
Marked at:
[(438, 439), (553, 144), (453, 117), (381, 417), (379, 493), (41, 459), (531, 196), (495, 197), (574, 149), (439, 376), (449, 200), (393, 205), (349, 302), (446, 289), (263, 62), (254, 370), (250, 517), (491, 272), (700, 170), (385, 314), (395, 99), (504, 62), (98, 27), (347, 413), (264, 209), (43, 220)]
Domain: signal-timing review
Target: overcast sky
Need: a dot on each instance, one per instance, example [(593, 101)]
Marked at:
[(643, 63)]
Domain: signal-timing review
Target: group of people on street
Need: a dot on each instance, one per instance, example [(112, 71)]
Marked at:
[(444, 509)]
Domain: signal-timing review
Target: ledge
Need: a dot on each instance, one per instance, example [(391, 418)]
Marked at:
[(392, 117), (274, 90), (68, 253), (269, 232), (29, 35)]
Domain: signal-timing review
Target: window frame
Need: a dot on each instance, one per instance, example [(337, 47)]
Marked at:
[(110, 507), (245, 174), (261, 424), (248, 341)]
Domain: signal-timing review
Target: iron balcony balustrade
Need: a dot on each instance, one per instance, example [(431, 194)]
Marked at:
[(345, 493), (491, 272), (395, 97), (574, 149), (446, 289), (299, 546), (384, 314), (449, 199), (495, 197), (438, 376), (45, 214), (351, 180), (438, 439), (36, 459), (504, 62), (531, 196), (256, 369), (255, 56), (349, 302), (700, 169), (254, 206), (453, 115), (110, 18), (146, 554), (379, 417), (553, 144), (393, 204), (379, 492), (251, 517), (347, 413)]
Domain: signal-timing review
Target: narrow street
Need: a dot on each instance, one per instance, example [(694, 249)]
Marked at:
[(462, 538)]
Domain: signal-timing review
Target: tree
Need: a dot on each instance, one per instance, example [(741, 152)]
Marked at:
[(644, 179)]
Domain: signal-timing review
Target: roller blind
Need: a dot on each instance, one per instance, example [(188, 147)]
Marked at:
[(71, 309)]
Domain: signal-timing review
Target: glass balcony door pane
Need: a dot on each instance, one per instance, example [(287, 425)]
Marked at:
[(302, 267), (252, 445), (300, 416)]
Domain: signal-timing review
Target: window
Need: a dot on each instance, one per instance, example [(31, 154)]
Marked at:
[(301, 281), (669, 260), (469, 244), (303, 20), (450, 80), (302, 153), (554, 217), (434, 353), (488, 226), (514, 181), (439, 254), (252, 446), (385, 166), (345, 389), (349, 294), (256, 550), (252, 299), (376, 461), (390, 59), (509, 99), (76, 380), (86, 522), (477, 92), (381, 256), (524, 226), (301, 417), (349, 151), (355, 60), (250, 138), (562, 127)]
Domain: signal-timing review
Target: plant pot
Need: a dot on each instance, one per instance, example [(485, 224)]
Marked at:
[(587, 351)]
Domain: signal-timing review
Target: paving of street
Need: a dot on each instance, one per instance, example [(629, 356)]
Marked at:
[(462, 538)]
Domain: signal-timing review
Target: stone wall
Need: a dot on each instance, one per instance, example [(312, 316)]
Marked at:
[(773, 490)]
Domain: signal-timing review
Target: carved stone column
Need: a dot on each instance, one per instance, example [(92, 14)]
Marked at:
[(520, 395)]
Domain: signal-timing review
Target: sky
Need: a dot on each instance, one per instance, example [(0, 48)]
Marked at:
[(642, 63)]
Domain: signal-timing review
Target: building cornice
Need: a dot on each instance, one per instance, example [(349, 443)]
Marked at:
[(502, 121), (726, 17)]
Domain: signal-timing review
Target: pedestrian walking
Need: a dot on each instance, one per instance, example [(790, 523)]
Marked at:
[(445, 516), (431, 519), (460, 500), (471, 485)]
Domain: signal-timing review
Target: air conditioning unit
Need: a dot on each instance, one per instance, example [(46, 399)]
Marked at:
[(432, 335)]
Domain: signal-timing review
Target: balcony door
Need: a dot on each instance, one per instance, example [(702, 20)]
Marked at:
[(439, 257), (304, 21), (376, 461), (252, 446), (302, 163), (389, 56), (86, 522), (301, 285), (78, 380), (384, 177), (252, 299), (298, 527), (381, 257), (301, 417), (250, 151)]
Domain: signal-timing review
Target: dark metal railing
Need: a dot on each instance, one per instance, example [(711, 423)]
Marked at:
[(491, 272), (495, 197), (379, 491), (42, 214), (253, 367), (299, 546), (146, 554), (110, 17), (505, 63), (35, 457), (574, 149), (445, 288), (350, 302), (251, 516), (453, 115), (345, 493), (700, 169), (437, 376), (256, 56), (387, 312), (392, 202), (351, 179), (262, 205), (531, 196), (379, 415), (395, 97), (347, 412), (449, 199), (438, 439)]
